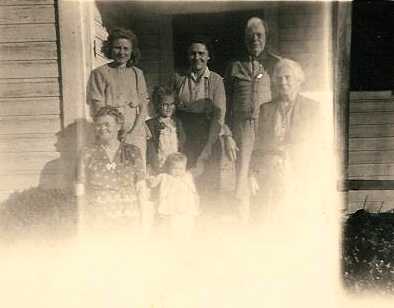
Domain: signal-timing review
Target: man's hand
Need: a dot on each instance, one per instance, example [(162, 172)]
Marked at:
[(254, 186), (230, 147)]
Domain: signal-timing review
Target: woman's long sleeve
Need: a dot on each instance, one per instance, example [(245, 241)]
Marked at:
[(143, 102), (96, 91)]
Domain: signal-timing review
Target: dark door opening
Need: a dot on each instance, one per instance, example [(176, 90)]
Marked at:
[(372, 46), (224, 30)]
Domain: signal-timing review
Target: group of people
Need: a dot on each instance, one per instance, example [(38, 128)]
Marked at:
[(212, 144)]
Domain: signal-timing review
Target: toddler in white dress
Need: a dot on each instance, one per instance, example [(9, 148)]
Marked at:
[(178, 199)]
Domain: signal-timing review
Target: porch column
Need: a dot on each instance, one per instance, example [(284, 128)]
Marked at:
[(74, 26)]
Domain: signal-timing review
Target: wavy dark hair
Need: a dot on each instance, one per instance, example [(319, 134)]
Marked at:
[(159, 92), (121, 33)]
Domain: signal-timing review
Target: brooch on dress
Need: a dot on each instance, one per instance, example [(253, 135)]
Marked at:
[(110, 166)]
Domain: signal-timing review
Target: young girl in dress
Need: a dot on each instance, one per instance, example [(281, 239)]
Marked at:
[(178, 201), (165, 135)]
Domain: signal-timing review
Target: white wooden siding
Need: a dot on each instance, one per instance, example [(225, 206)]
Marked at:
[(371, 142), (30, 98)]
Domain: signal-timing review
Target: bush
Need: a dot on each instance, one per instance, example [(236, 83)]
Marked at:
[(48, 213), (368, 252)]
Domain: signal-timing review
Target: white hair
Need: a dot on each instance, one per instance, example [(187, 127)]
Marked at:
[(255, 22), (294, 66)]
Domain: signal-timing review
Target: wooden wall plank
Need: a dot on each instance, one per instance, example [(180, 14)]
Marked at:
[(26, 2), (29, 87), (373, 177), (27, 14), (372, 118), (30, 106), (371, 95), (101, 61), (100, 31), (378, 130), (27, 33), (372, 106), (363, 157), (98, 45), (26, 161), (384, 143), (28, 51), (29, 69), (364, 171), (29, 125), (374, 200), (31, 142)]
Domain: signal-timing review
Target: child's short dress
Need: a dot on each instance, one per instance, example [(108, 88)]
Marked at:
[(178, 195), (179, 202), (165, 136)]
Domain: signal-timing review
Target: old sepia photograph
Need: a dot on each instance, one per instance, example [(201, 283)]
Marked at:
[(196, 154)]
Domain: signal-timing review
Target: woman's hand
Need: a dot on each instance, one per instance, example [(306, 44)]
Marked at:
[(206, 153), (142, 190), (253, 185), (198, 169), (230, 147), (278, 165), (122, 135), (153, 181)]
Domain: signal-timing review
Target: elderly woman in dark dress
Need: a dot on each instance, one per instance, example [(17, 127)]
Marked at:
[(201, 107), (110, 176), (121, 84), (288, 146)]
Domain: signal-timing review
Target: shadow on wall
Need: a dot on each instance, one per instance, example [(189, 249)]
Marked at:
[(48, 211), (67, 145)]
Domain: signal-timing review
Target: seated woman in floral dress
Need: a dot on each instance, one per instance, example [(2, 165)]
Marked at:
[(110, 177)]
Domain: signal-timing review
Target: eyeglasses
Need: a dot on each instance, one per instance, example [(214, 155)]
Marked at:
[(167, 105)]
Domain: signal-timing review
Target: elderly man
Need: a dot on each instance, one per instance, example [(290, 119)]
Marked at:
[(248, 86), (286, 142)]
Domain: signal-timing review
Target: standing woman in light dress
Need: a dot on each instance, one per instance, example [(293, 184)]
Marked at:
[(121, 84)]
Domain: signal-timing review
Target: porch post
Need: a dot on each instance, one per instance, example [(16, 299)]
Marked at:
[(74, 31), (341, 63)]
